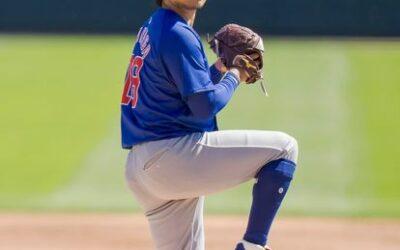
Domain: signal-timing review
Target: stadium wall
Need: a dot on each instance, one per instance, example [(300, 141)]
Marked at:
[(273, 17)]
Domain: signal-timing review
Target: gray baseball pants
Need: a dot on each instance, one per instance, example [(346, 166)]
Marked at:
[(169, 178)]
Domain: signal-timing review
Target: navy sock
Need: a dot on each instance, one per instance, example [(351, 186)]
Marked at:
[(273, 181)]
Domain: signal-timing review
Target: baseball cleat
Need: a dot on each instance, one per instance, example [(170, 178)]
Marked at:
[(245, 245)]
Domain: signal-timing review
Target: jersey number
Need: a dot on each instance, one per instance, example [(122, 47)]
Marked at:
[(132, 82)]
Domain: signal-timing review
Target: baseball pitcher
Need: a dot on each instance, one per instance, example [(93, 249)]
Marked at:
[(168, 121)]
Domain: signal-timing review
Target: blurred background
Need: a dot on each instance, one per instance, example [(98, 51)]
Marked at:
[(333, 71)]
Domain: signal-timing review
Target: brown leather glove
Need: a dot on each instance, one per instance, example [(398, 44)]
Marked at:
[(238, 46)]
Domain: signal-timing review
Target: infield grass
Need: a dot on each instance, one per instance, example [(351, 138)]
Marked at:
[(59, 135)]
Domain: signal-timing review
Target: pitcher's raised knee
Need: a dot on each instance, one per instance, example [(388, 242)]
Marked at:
[(293, 150), (288, 146)]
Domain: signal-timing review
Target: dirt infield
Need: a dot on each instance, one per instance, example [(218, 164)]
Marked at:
[(121, 231)]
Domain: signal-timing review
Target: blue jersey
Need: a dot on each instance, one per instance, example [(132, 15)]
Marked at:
[(168, 64)]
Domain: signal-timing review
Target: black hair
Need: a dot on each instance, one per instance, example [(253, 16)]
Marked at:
[(159, 2)]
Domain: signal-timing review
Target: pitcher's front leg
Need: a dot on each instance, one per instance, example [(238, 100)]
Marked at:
[(273, 181)]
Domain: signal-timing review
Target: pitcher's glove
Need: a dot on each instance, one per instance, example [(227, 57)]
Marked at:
[(238, 46)]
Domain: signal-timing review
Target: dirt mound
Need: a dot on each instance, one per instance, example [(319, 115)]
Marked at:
[(122, 231)]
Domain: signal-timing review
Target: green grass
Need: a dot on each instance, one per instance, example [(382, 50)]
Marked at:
[(59, 135), (376, 82), (58, 99)]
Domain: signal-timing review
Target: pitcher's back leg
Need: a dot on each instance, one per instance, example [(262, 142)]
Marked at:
[(178, 225)]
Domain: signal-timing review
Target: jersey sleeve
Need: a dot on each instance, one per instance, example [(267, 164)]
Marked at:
[(186, 63), (215, 74), (207, 104)]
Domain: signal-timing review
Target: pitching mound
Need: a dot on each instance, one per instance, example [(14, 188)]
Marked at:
[(116, 231)]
